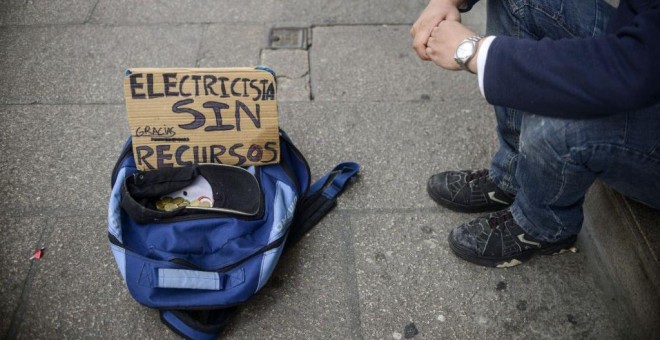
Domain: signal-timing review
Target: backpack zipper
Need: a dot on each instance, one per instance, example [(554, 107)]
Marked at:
[(226, 268), (184, 263)]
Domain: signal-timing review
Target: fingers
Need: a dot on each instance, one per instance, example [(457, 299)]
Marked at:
[(421, 32), (434, 14), (429, 52), (413, 28), (419, 44), (434, 31), (453, 16), (432, 46)]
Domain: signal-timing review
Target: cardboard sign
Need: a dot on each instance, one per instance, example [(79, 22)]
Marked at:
[(181, 117)]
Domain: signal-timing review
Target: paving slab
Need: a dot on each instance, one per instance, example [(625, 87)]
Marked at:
[(86, 63), (369, 12), (292, 69), (364, 12), (127, 12), (312, 294), (299, 12), (293, 90), (77, 292), (20, 237), (292, 12), (337, 12), (287, 63), (399, 145), (40, 12), (408, 275), (232, 45), (57, 159), (377, 63)]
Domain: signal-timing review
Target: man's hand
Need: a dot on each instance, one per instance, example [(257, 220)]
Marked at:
[(435, 12), (443, 42)]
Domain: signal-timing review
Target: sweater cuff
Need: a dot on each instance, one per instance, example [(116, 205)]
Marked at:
[(466, 6), (481, 61)]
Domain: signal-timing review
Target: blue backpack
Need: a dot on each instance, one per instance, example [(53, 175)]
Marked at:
[(195, 265)]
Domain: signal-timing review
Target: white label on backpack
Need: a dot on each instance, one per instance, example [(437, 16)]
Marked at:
[(188, 279), (284, 206), (114, 212)]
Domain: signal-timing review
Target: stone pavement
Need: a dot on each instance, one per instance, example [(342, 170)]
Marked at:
[(378, 267)]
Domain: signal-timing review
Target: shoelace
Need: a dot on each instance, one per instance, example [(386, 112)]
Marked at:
[(479, 174), (499, 218)]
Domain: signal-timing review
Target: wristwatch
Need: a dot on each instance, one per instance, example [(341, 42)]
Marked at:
[(466, 50)]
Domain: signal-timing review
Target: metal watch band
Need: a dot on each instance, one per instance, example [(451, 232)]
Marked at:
[(463, 63)]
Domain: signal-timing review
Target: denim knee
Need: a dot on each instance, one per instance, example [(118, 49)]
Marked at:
[(545, 137), (552, 178), (505, 161)]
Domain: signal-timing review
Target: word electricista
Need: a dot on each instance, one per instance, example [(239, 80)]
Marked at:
[(170, 85)]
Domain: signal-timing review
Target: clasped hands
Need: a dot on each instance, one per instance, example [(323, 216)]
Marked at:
[(438, 32)]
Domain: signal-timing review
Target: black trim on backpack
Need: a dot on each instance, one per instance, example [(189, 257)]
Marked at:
[(138, 203)]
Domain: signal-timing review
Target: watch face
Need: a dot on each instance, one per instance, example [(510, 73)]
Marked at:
[(465, 50)]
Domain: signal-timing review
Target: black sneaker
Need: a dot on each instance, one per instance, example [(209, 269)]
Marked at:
[(467, 191), (498, 241)]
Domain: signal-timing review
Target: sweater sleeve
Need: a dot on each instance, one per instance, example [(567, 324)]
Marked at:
[(578, 78), (467, 5)]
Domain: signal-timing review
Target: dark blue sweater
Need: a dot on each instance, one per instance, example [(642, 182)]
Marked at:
[(581, 78)]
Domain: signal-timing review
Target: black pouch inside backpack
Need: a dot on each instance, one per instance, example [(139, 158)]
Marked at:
[(235, 191)]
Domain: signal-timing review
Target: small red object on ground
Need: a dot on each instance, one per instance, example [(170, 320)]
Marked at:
[(38, 253)]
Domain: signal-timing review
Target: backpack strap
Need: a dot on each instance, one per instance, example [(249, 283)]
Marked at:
[(320, 200), (197, 325)]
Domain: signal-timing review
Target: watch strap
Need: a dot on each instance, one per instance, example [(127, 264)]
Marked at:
[(463, 62)]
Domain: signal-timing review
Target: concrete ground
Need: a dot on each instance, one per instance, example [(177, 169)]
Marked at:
[(378, 267)]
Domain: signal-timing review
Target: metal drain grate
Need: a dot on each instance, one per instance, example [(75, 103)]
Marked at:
[(288, 37)]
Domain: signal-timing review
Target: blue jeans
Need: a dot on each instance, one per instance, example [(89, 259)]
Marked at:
[(550, 163)]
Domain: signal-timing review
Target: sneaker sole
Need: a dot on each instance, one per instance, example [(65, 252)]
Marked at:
[(567, 245), (464, 208)]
